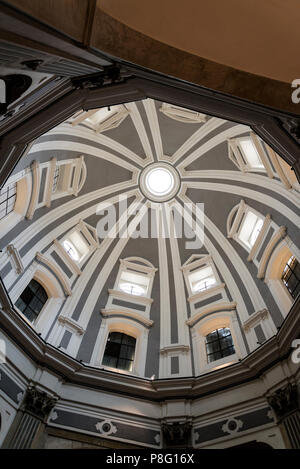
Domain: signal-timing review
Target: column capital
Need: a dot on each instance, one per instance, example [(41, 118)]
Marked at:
[(38, 403), (284, 401)]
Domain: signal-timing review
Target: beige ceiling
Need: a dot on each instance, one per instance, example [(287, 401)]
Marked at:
[(257, 36)]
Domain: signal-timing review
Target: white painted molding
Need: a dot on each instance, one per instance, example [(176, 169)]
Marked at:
[(66, 257), (35, 189), (255, 318), (238, 212), (259, 238), (212, 308), (15, 258), (131, 263), (150, 109), (206, 293), (181, 114), (175, 348), (72, 324), (127, 314), (49, 182), (262, 154), (56, 270), (276, 163), (280, 233), (122, 295)]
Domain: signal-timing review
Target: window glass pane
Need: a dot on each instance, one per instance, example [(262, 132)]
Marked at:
[(250, 153), (119, 351), (219, 344), (291, 276), (32, 300), (7, 199)]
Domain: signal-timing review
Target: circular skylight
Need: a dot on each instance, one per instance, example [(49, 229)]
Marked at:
[(159, 181)]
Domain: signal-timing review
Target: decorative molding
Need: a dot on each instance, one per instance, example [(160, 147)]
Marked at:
[(35, 169), (127, 314), (178, 433), (216, 307), (66, 257), (49, 185), (206, 293), (15, 258), (72, 324), (56, 270), (130, 298), (181, 114), (38, 403), (280, 233), (284, 401), (255, 317), (175, 348), (259, 238), (232, 426), (106, 427)]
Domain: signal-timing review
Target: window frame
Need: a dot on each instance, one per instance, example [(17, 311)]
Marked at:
[(188, 116), (205, 326), (220, 348), (33, 296), (128, 326), (238, 156), (90, 238), (118, 356)]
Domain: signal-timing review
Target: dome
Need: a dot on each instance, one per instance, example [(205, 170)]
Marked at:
[(151, 240)]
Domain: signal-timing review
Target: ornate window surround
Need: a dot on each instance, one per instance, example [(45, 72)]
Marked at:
[(182, 115), (194, 263), (235, 153), (126, 326), (276, 263), (72, 176), (56, 295), (283, 170), (89, 234), (142, 267), (235, 223), (111, 122), (261, 318), (208, 324), (23, 181)]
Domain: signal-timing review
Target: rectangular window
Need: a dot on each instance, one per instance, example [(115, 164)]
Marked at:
[(76, 246), (7, 199), (219, 344), (250, 228), (202, 279), (119, 351), (102, 115), (134, 283), (250, 154)]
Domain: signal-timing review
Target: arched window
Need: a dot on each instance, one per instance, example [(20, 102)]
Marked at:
[(282, 274), (291, 276), (119, 351), (32, 300), (8, 196), (219, 344)]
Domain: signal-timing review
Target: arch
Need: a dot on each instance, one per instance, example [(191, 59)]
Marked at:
[(53, 288), (276, 264), (23, 183), (126, 326), (207, 325)]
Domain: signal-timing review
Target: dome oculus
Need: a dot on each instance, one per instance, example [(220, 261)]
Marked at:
[(160, 181)]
